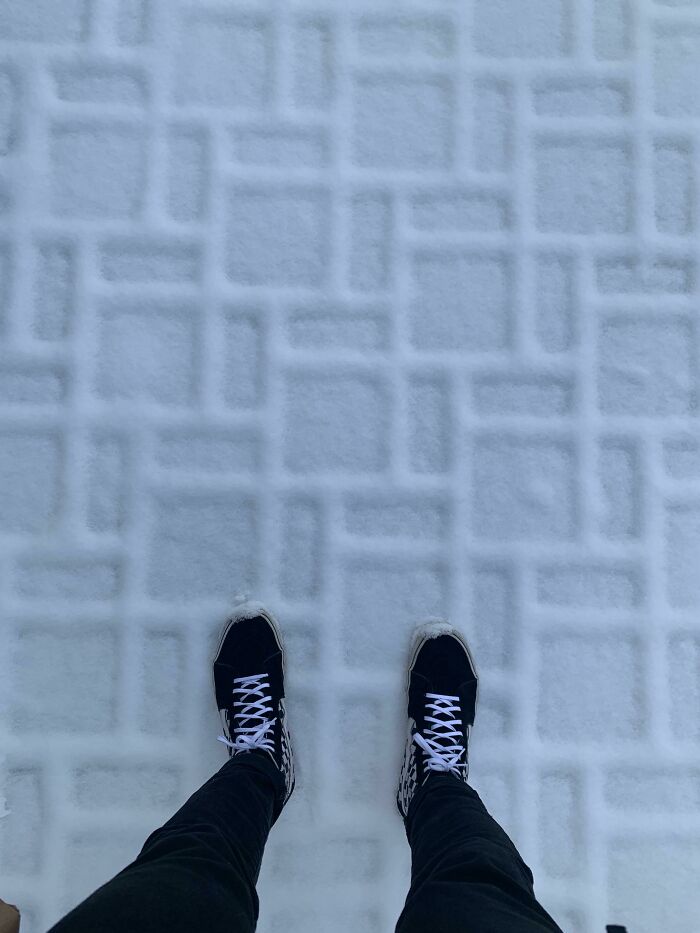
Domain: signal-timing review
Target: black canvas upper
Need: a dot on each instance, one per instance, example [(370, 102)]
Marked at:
[(441, 666), (250, 647)]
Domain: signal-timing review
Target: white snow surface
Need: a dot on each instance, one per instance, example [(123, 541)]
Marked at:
[(372, 312)]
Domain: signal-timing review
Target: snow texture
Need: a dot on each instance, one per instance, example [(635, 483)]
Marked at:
[(373, 312)]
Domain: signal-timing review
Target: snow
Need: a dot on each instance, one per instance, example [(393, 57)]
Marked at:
[(374, 315)]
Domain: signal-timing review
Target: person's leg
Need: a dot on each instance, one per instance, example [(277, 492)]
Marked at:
[(466, 873), (199, 870)]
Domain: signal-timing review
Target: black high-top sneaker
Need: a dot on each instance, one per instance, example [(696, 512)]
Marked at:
[(443, 689), (248, 675)]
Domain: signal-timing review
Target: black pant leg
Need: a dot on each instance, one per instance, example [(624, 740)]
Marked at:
[(199, 870), (466, 874)]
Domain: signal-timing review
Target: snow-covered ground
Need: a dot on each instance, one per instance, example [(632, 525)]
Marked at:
[(370, 313)]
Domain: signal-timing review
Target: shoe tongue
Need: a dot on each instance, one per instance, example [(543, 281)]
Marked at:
[(270, 667), (465, 693)]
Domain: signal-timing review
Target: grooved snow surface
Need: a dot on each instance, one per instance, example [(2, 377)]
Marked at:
[(371, 315)]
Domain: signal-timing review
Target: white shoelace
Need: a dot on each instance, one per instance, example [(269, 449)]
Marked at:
[(440, 754), (254, 728)]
